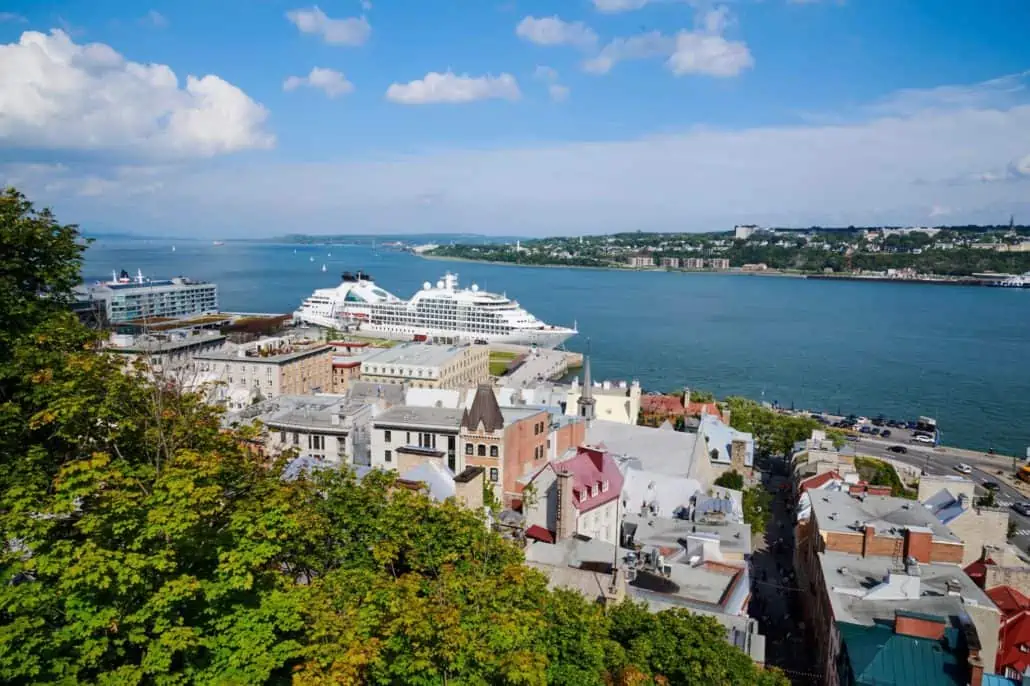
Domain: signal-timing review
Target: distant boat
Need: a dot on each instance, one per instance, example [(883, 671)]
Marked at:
[(294, 251), (329, 254), (323, 267), (311, 259), (173, 248), (218, 243)]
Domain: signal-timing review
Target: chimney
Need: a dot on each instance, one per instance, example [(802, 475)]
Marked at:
[(976, 668), (566, 511), (867, 538), (468, 488)]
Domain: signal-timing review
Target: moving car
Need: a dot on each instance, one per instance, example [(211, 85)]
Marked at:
[(963, 468), (900, 449), (1022, 508), (992, 485), (886, 433), (920, 438)]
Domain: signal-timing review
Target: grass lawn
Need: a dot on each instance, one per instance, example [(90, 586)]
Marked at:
[(500, 361)]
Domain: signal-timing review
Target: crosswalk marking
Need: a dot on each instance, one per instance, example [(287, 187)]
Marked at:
[(1003, 503), (1022, 532)]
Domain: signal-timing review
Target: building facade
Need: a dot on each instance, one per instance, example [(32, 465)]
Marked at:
[(268, 369), (402, 437), (167, 354), (124, 299), (640, 261), (324, 428), (671, 262), (422, 365), (718, 263)]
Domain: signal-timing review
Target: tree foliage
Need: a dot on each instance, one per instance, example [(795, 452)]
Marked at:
[(144, 544), (731, 479), (774, 433)]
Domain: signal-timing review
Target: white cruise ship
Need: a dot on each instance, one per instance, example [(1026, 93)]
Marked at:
[(441, 312)]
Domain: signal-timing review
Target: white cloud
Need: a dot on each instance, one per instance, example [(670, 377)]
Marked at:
[(940, 211), (452, 88), (154, 19), (701, 51), (12, 17), (558, 92), (329, 81), (710, 55), (58, 95), (350, 31), (613, 6), (555, 31), (641, 46), (545, 73), (1003, 91), (883, 169)]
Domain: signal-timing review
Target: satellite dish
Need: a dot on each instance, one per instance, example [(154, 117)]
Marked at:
[(439, 284), (475, 288), (426, 286)]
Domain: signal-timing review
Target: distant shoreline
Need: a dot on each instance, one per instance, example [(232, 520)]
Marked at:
[(442, 258)]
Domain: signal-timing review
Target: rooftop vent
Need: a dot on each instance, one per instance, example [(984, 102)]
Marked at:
[(842, 570), (953, 586)]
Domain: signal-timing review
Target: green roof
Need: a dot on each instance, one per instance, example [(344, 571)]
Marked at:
[(879, 657)]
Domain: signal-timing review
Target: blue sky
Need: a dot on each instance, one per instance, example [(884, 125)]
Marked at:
[(259, 117)]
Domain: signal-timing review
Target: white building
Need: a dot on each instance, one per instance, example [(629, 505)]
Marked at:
[(742, 232), (403, 436), (422, 365)]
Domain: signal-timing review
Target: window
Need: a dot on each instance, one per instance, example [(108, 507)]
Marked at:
[(593, 490), (316, 442), (407, 438), (387, 436), (469, 449), (296, 438), (388, 456), (582, 495), (282, 436), (450, 461), (481, 450), (494, 474), (604, 486), (493, 451)]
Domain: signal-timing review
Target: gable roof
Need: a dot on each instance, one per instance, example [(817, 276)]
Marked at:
[(1008, 600), (484, 409), (591, 467), (661, 404), (819, 480)]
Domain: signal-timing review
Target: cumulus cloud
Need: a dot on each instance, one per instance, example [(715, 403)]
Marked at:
[(555, 31), (555, 90), (882, 169), (350, 31), (453, 88), (59, 95), (702, 51), (154, 19), (329, 81), (558, 92)]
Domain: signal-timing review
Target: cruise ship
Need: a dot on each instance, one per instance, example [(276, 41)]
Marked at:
[(441, 312)]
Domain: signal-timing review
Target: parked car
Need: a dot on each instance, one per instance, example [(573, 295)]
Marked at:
[(992, 485), (864, 430), (886, 433), (921, 438), (1022, 508), (900, 449), (874, 431), (963, 469)]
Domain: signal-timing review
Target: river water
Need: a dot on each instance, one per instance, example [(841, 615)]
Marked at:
[(959, 354)]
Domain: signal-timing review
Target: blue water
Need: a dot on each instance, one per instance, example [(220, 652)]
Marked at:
[(959, 354)]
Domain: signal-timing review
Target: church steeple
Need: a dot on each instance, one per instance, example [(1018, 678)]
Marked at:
[(586, 402)]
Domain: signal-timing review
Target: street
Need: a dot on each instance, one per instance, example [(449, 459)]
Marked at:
[(944, 460)]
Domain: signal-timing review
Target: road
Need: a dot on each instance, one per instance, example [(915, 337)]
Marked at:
[(944, 460)]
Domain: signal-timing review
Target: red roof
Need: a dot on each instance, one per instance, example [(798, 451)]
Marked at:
[(591, 468), (661, 404), (977, 571), (697, 409), (539, 533), (1008, 599), (819, 480)]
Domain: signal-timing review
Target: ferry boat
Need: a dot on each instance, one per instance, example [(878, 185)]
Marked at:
[(441, 312), (1018, 281)]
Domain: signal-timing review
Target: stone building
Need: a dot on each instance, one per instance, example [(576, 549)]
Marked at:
[(424, 365)]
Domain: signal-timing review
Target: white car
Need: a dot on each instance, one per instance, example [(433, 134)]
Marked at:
[(919, 438), (963, 469)]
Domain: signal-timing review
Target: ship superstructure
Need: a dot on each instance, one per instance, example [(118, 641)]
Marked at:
[(443, 311)]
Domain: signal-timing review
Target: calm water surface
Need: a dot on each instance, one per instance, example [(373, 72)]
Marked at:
[(960, 354)]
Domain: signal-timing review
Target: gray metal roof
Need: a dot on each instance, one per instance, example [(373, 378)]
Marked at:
[(842, 512), (857, 593), (415, 354), (417, 417), (665, 452)]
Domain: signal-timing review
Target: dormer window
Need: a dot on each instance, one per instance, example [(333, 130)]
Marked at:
[(582, 495), (604, 486), (593, 490)]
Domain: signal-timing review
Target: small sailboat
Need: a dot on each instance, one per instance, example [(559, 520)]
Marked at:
[(173, 248), (329, 254), (323, 267), (294, 251), (311, 259)]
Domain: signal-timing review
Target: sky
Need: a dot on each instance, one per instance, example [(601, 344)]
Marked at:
[(249, 118)]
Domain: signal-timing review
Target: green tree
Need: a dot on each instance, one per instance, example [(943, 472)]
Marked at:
[(731, 479), (757, 504)]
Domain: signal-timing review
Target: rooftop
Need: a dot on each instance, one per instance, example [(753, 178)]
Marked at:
[(165, 344), (842, 512), (877, 655), (389, 394), (669, 533), (663, 452), (403, 415), (279, 355), (864, 589), (327, 412), (416, 354)]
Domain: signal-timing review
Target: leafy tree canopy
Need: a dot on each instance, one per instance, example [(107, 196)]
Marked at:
[(144, 544)]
